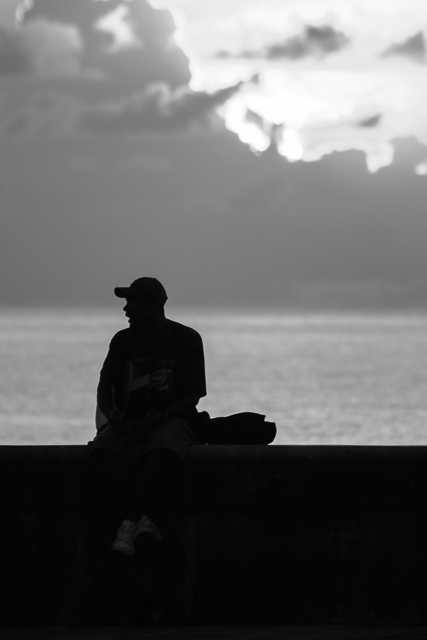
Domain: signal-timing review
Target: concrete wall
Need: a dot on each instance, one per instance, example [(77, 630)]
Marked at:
[(263, 534)]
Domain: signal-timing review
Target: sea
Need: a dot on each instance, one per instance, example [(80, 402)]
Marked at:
[(323, 378)]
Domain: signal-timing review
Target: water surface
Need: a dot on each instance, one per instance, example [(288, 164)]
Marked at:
[(323, 378)]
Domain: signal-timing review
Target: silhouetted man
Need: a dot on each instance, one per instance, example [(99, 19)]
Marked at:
[(150, 384)]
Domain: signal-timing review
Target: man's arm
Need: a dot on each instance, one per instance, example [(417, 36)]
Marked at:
[(104, 393), (100, 419), (194, 382), (105, 403)]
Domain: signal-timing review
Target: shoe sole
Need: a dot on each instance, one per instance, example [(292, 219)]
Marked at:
[(128, 552)]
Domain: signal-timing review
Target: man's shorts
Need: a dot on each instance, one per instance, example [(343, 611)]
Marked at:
[(174, 435)]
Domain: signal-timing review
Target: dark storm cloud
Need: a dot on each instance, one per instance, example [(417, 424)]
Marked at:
[(41, 48), (152, 56), (313, 41), (155, 109), (139, 85), (81, 13), (150, 25), (272, 130), (256, 118), (370, 122), (413, 48)]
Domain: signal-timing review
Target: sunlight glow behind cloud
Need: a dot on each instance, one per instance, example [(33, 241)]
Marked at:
[(120, 27), (325, 67)]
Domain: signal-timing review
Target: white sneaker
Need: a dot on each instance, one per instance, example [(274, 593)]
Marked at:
[(144, 525), (124, 540)]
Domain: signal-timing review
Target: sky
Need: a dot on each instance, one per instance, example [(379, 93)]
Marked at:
[(248, 153)]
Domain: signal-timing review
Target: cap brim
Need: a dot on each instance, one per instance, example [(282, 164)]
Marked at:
[(122, 292)]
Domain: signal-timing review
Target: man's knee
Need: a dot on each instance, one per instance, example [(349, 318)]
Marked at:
[(162, 459)]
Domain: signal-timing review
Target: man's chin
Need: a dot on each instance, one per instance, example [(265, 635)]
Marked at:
[(134, 322)]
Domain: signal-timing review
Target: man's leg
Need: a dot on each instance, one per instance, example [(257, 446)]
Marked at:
[(113, 475), (156, 486), (113, 471), (141, 491)]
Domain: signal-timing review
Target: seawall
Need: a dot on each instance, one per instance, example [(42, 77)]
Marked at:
[(261, 534)]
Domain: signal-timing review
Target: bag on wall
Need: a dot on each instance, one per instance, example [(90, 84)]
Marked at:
[(239, 428)]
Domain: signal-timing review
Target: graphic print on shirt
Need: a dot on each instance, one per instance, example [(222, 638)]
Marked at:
[(151, 374), (147, 383), (158, 373)]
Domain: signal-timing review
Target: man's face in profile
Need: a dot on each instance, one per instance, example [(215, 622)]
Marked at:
[(139, 310)]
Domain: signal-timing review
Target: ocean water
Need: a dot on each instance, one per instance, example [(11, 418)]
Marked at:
[(323, 378)]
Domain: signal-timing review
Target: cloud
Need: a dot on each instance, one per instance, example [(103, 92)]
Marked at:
[(110, 25), (55, 48), (256, 119), (317, 41), (126, 44), (158, 108), (11, 11), (42, 48), (120, 26), (304, 86), (371, 121), (413, 48), (81, 13), (15, 55), (137, 78), (49, 113), (314, 41)]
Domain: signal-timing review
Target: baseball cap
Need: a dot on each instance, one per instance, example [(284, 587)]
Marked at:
[(144, 287)]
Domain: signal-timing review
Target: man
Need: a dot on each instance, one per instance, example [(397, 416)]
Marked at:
[(150, 384)]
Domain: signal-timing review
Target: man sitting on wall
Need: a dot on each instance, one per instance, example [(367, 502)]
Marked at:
[(150, 384)]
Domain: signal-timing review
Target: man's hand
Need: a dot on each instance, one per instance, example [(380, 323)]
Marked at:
[(160, 380)]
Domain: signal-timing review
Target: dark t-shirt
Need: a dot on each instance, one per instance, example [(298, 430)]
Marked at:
[(153, 373)]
